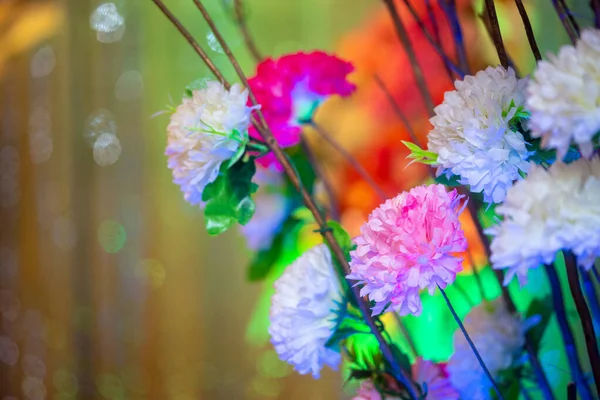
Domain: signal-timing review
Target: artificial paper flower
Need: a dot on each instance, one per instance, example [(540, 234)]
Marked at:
[(498, 336), (473, 136), (564, 96), (409, 243), (272, 207), (291, 87), (205, 130), (551, 210), (304, 312)]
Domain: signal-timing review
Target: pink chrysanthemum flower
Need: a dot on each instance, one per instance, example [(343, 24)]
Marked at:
[(291, 87), (409, 243)]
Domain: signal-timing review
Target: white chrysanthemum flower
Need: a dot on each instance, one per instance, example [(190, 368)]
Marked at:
[(497, 335), (551, 210), (564, 96), (201, 135), (272, 208), (471, 134), (304, 312)]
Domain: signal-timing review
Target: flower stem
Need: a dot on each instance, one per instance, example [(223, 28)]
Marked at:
[(584, 317), (310, 203), (314, 163), (567, 334), (496, 33), (350, 159), (528, 30), (412, 57), (471, 344), (592, 298)]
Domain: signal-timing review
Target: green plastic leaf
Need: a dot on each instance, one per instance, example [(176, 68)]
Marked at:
[(243, 139), (341, 236), (303, 170), (195, 85), (228, 199), (420, 155), (542, 308), (451, 181), (265, 260)]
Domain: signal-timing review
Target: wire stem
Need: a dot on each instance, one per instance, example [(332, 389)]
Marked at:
[(528, 30), (496, 34)]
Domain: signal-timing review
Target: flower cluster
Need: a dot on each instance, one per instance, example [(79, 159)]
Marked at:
[(498, 336), (409, 243), (564, 96), (549, 211), (472, 134), (304, 312), (290, 89), (205, 130)]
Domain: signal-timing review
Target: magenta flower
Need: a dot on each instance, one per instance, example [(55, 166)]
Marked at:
[(290, 88), (408, 244)]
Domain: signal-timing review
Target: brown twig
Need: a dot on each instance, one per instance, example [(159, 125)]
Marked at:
[(496, 34), (486, 22), (435, 43), (412, 57), (528, 30), (311, 205), (584, 317), (240, 19), (350, 159), (188, 36), (566, 20), (314, 163), (571, 17), (397, 110)]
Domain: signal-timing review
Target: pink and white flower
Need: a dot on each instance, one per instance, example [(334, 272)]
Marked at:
[(409, 243)]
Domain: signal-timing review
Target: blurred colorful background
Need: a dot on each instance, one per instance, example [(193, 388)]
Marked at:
[(110, 287)]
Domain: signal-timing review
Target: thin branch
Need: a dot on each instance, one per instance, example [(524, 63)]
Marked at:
[(592, 297), (566, 20), (397, 110), (471, 344), (436, 34), (449, 8), (571, 17), (187, 35), (486, 22), (584, 317), (595, 5), (436, 45), (314, 163), (412, 57), (311, 205), (528, 30), (567, 334), (240, 19), (350, 159), (496, 34)]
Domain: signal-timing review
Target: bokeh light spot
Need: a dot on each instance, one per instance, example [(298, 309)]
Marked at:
[(98, 123), (33, 366), (112, 236), (109, 386), (213, 43), (33, 388), (43, 62), (151, 271), (108, 23), (9, 305), (64, 233), (107, 149), (269, 365), (266, 387), (130, 86), (65, 382), (9, 351)]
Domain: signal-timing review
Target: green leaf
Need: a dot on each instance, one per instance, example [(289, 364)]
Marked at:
[(341, 236), (451, 181), (228, 199), (420, 155), (303, 169), (543, 308), (264, 260), (195, 85)]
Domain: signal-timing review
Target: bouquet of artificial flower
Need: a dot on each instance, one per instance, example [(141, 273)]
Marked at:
[(523, 147)]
